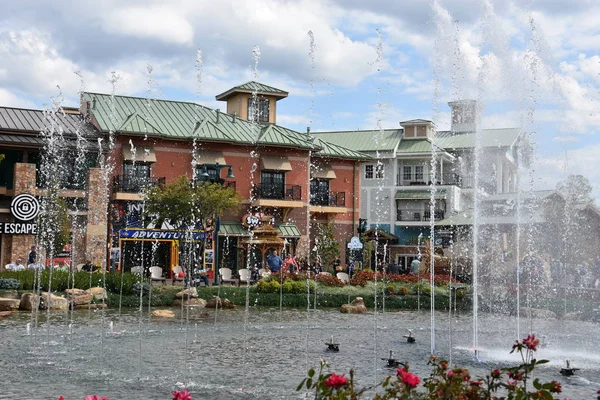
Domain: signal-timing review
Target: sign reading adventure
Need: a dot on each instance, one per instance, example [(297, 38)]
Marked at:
[(25, 208), (159, 234)]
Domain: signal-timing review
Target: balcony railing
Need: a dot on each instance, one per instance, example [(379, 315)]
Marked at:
[(128, 184), (331, 199), (417, 215), (426, 179), (277, 192)]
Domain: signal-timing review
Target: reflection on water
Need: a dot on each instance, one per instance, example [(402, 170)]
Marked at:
[(45, 365)]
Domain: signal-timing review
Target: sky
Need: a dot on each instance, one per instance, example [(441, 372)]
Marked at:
[(347, 64)]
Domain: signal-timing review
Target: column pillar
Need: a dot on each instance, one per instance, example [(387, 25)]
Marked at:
[(97, 219), (24, 182)]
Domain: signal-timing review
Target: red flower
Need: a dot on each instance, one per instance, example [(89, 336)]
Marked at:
[(335, 381), (556, 388), (184, 395), (408, 378), (531, 342), (496, 373), (61, 398), (95, 397)]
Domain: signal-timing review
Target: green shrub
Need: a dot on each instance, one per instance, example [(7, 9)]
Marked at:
[(143, 287), (404, 291), (390, 289), (9, 283)]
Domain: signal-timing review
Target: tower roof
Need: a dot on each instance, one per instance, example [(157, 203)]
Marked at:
[(253, 87)]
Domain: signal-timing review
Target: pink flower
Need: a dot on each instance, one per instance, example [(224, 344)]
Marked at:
[(408, 378), (335, 381), (531, 342), (184, 395), (94, 397), (556, 387)]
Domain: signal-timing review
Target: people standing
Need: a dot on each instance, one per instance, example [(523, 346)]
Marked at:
[(274, 262), (31, 256), (414, 266), (16, 266)]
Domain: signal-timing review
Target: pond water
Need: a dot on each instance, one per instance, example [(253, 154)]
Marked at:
[(149, 360)]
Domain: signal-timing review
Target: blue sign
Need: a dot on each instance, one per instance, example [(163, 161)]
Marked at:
[(160, 234)]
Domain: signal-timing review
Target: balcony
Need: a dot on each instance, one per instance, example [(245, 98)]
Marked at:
[(331, 199), (273, 195), (130, 187), (444, 179), (418, 215)]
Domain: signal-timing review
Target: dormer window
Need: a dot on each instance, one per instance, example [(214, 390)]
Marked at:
[(263, 110)]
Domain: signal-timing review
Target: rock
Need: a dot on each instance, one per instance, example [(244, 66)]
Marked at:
[(572, 316), (55, 303), (9, 294), (98, 293), (29, 301), (200, 303), (357, 306), (74, 292), (191, 292), (4, 314), (163, 314), (9, 304), (81, 299), (216, 301), (96, 306), (537, 313)]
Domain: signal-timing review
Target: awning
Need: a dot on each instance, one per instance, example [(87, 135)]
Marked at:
[(210, 157), (419, 194), (229, 228), (141, 154), (324, 172), (276, 163)]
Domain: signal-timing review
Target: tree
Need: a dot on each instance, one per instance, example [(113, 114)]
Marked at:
[(327, 248), (55, 231), (185, 205), (576, 190)]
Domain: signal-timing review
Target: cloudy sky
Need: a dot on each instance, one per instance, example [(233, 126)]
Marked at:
[(364, 64)]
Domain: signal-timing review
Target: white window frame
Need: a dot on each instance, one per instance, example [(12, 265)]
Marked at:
[(422, 173), (407, 172), (379, 171)]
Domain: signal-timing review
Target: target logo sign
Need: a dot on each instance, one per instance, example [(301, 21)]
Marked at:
[(25, 207)]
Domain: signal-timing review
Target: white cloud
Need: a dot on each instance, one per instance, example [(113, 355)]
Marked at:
[(9, 99)]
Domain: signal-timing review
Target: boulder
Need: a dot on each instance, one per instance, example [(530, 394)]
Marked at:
[(4, 314), (81, 299), (74, 292), (9, 304), (163, 314), (55, 303), (9, 294), (95, 306), (191, 292), (216, 301), (357, 306), (98, 293), (29, 301), (200, 303), (530, 312)]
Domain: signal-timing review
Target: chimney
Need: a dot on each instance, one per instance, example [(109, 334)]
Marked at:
[(464, 116)]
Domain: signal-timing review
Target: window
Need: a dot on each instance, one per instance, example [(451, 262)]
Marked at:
[(379, 171), (407, 173), (272, 184), (135, 176), (418, 173), (213, 173), (319, 192), (263, 110), (369, 171)]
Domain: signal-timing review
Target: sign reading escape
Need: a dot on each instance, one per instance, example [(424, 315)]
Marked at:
[(18, 228), (160, 235)]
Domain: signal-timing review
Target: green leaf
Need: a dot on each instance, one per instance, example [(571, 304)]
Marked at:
[(300, 385), (311, 372), (537, 384), (309, 382)]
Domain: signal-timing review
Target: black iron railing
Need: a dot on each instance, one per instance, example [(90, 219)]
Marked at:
[(417, 215), (277, 192), (132, 184), (331, 199)]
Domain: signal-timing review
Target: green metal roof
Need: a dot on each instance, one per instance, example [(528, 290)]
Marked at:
[(184, 120), (419, 194), (234, 228), (489, 138), (331, 150), (414, 146), (251, 87), (369, 140)]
